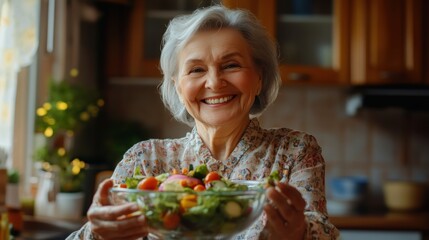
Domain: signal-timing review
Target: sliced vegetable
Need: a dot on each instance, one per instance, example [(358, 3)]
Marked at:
[(132, 182), (188, 201), (232, 209), (272, 179), (215, 185), (199, 188), (171, 220), (180, 180), (149, 183), (211, 176), (200, 171)]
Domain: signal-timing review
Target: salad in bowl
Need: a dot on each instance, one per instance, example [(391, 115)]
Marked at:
[(193, 204)]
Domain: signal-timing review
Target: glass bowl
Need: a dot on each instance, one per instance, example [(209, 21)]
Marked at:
[(196, 215)]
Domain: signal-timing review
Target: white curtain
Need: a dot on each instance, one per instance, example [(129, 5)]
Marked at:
[(19, 29)]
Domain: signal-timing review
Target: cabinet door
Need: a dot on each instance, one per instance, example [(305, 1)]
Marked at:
[(312, 37), (134, 34), (149, 20), (386, 41)]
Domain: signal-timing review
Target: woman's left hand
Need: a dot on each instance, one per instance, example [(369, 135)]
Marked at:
[(285, 213)]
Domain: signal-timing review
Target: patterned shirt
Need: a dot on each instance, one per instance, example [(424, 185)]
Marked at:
[(294, 154)]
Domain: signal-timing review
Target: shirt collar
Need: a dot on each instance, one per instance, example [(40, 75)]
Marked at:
[(247, 140)]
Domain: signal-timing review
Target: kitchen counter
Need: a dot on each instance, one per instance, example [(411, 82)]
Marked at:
[(35, 228), (417, 221)]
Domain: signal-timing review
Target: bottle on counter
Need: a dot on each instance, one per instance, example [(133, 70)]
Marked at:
[(5, 226)]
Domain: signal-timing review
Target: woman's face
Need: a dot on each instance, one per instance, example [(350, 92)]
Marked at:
[(217, 78)]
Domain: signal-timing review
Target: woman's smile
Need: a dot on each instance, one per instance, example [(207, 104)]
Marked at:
[(218, 100)]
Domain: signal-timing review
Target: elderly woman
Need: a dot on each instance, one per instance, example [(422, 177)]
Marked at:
[(220, 72)]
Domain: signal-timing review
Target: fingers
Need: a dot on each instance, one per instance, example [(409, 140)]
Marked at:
[(276, 223), (285, 212), (101, 197), (111, 213), (293, 195), (280, 203), (109, 221), (129, 228)]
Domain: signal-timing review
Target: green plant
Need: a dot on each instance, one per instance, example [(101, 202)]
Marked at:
[(13, 176), (68, 108)]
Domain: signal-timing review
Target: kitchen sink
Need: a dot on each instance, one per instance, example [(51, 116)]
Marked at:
[(35, 228)]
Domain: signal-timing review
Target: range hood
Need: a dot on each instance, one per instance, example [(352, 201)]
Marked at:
[(407, 97)]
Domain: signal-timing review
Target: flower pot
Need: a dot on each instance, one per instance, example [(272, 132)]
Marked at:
[(12, 195), (69, 206)]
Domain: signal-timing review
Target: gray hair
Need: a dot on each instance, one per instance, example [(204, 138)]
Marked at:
[(182, 28)]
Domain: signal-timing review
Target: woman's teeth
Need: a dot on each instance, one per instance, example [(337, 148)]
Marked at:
[(218, 100)]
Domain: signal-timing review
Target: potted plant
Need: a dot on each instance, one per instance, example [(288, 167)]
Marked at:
[(68, 109)]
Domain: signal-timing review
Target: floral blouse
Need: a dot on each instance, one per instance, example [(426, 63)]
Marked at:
[(296, 156)]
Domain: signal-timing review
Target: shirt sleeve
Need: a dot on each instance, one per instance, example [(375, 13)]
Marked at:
[(84, 233), (308, 176)]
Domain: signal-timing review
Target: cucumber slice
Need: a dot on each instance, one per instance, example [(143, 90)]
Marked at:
[(216, 185), (232, 209)]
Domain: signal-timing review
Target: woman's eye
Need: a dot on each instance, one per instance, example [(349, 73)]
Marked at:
[(231, 65), (196, 70)]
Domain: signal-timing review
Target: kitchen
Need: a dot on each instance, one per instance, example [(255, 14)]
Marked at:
[(369, 45)]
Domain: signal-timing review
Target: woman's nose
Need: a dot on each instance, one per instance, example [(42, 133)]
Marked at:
[(214, 80)]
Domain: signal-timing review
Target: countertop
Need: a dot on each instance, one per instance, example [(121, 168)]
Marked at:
[(418, 221)]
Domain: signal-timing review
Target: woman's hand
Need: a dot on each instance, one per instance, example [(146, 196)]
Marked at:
[(285, 213), (109, 222)]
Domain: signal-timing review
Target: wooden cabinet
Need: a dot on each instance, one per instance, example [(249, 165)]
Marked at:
[(386, 41), (312, 36), (133, 32), (337, 42)]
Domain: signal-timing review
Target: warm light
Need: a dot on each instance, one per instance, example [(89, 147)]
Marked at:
[(74, 72), (75, 170), (93, 110), (70, 133), (41, 112), (61, 105), (48, 132), (47, 106), (77, 165), (100, 102), (46, 166), (61, 151), (75, 162), (84, 116)]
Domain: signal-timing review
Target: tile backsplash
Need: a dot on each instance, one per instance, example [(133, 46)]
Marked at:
[(379, 144)]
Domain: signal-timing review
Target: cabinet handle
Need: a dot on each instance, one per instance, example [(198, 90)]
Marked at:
[(294, 76)]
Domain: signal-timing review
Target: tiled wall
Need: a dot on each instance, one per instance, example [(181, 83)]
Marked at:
[(379, 144)]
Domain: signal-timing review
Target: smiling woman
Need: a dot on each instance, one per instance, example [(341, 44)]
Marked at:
[(220, 72)]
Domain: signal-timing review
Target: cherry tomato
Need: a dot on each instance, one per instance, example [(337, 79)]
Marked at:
[(149, 183), (211, 176), (171, 220), (123, 185), (185, 171), (199, 188)]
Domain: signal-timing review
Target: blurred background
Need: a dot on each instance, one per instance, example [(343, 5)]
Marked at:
[(78, 87)]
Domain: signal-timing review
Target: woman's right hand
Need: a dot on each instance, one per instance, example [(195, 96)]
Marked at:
[(108, 221)]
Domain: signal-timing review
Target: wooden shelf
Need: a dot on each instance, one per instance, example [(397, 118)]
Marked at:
[(389, 221)]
